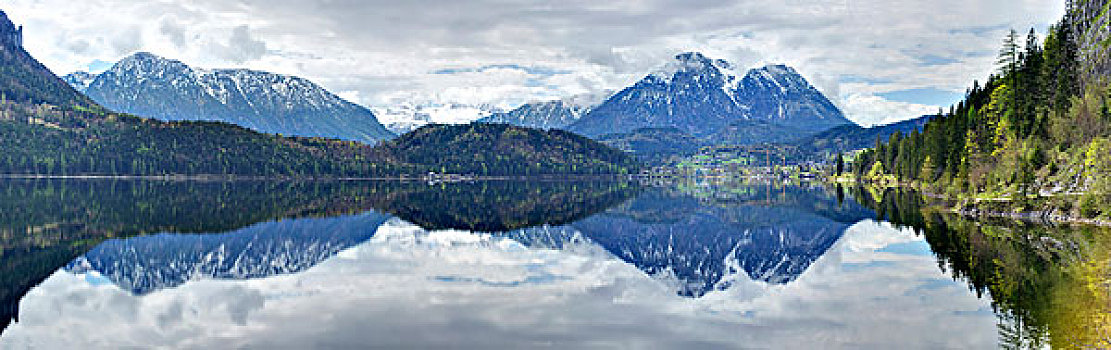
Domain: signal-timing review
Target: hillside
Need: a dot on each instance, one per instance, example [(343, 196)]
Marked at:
[(1029, 139), (655, 145), (24, 80), (854, 137), (169, 90), (501, 149)]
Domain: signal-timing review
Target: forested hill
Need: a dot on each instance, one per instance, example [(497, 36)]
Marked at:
[(1039, 128), (48, 128), (502, 149)]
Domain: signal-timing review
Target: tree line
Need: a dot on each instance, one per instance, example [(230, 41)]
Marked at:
[(1030, 126)]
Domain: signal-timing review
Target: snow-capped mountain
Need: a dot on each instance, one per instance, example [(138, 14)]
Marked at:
[(404, 118), (80, 80), (557, 114), (709, 99), (779, 94), (542, 115), (151, 86), (146, 264)]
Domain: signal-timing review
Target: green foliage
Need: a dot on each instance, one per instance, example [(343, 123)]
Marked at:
[(504, 150), (502, 206), (24, 80), (1015, 136), (69, 142), (1047, 283)]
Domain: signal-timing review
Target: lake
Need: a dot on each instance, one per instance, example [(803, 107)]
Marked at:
[(556, 264)]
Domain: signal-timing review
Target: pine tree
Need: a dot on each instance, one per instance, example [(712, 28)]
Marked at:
[(1008, 55)]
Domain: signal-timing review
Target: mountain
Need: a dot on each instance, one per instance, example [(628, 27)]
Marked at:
[(80, 80), (49, 128), (541, 115), (854, 137), (556, 114), (151, 86), (407, 117), (502, 150), (692, 93), (707, 99), (780, 95)]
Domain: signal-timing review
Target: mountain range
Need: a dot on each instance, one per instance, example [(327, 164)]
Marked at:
[(691, 102), (694, 97), (707, 99), (152, 86), (47, 127)]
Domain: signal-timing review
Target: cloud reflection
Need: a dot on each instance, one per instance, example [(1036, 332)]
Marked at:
[(412, 288)]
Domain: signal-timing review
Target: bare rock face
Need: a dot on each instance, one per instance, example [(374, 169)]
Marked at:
[(10, 35), (1091, 25)]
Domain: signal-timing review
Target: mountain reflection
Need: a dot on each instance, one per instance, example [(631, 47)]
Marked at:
[(223, 230), (696, 240), (46, 224), (145, 264), (740, 252)]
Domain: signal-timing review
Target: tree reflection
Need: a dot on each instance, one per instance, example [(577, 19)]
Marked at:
[(1048, 283)]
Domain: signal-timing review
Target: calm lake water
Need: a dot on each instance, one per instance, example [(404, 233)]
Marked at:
[(262, 265)]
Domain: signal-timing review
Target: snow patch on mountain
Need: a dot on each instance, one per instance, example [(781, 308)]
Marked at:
[(80, 80), (408, 117), (154, 87), (709, 99)]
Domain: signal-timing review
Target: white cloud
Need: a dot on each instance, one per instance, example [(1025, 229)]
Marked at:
[(869, 110), (384, 49)]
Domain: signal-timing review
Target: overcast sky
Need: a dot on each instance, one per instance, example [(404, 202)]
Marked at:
[(880, 60)]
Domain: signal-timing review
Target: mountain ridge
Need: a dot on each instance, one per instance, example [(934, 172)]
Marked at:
[(170, 90), (704, 96)]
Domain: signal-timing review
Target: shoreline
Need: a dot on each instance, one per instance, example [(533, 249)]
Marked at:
[(951, 205), (210, 177)]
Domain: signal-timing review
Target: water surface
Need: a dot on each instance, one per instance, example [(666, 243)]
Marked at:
[(111, 264)]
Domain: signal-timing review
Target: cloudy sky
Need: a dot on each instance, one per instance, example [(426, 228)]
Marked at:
[(880, 60)]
